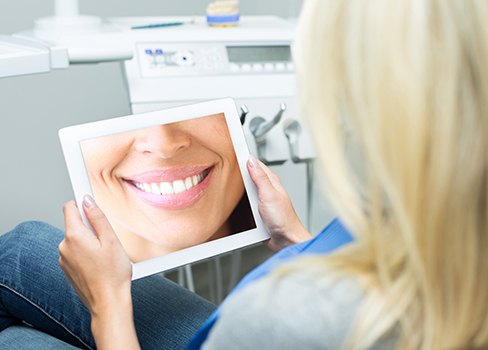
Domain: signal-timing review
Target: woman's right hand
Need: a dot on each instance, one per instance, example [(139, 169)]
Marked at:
[(100, 271), (281, 220)]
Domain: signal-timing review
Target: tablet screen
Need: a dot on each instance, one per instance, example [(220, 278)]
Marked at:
[(170, 186)]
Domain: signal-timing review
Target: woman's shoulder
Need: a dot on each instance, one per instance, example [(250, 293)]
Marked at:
[(306, 308)]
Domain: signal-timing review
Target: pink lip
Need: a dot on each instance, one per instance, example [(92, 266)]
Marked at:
[(170, 201), (167, 175)]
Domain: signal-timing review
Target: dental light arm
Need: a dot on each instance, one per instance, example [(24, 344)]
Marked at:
[(84, 39)]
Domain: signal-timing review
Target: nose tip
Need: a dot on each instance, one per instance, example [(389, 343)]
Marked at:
[(164, 141)]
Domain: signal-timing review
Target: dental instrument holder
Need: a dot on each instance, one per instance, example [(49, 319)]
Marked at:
[(292, 130), (244, 113), (259, 128)]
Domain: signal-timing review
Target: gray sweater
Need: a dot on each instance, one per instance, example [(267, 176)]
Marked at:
[(302, 310)]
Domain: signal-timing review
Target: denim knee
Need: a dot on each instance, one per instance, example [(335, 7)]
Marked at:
[(34, 289), (32, 232), (32, 238), (28, 228)]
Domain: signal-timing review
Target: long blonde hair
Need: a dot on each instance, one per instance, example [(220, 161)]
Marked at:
[(407, 80)]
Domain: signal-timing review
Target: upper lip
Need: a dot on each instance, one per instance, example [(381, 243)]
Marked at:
[(167, 174)]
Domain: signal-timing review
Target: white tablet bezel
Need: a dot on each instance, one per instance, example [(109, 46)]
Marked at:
[(71, 137)]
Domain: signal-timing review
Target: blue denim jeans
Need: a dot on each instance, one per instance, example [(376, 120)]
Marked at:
[(39, 308)]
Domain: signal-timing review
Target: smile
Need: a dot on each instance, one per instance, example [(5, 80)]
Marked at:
[(172, 187)]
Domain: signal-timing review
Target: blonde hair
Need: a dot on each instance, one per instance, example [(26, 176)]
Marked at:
[(408, 81)]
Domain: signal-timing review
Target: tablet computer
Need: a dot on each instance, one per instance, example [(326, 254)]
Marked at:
[(172, 183)]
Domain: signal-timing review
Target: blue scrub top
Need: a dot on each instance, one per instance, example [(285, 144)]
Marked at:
[(332, 237)]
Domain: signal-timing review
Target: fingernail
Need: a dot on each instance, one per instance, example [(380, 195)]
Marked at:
[(252, 161), (88, 202)]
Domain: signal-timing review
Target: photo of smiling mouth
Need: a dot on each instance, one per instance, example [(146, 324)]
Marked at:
[(171, 189)]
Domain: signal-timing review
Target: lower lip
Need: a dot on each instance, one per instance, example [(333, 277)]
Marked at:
[(174, 201)]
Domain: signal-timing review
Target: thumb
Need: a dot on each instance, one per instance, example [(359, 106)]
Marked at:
[(260, 178), (97, 219)]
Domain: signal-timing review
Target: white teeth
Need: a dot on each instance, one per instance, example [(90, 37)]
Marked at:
[(177, 186), (188, 183), (166, 188), (155, 188), (147, 187)]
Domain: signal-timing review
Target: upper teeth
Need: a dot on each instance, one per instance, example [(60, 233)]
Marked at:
[(176, 186)]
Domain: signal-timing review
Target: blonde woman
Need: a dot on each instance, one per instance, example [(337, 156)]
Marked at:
[(396, 92)]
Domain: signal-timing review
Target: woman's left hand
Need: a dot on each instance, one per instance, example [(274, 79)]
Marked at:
[(275, 207)]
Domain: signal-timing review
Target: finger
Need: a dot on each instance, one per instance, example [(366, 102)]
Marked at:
[(265, 168), (64, 249), (61, 247), (97, 219), (258, 175), (273, 178), (62, 262), (72, 217)]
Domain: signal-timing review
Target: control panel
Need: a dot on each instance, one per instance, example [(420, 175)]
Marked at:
[(197, 59)]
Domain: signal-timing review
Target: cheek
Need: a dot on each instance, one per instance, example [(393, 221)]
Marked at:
[(223, 147), (236, 186), (234, 183), (99, 170), (101, 158), (221, 144), (219, 141), (231, 160)]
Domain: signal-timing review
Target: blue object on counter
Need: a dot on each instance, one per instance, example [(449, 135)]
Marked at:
[(158, 25), (223, 19)]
